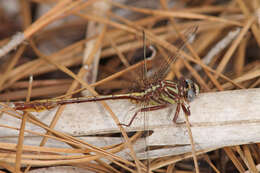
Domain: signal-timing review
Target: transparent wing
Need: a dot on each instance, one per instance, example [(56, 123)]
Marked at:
[(163, 64), (152, 65), (140, 74)]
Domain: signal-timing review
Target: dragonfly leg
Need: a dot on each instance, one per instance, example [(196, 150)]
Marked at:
[(147, 109), (176, 113), (185, 108)]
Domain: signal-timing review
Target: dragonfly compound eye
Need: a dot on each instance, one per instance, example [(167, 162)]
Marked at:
[(191, 95), (193, 89)]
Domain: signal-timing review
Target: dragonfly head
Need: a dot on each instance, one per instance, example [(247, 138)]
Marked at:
[(192, 89)]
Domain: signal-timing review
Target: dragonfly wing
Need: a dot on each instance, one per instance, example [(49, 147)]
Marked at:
[(140, 74), (165, 61)]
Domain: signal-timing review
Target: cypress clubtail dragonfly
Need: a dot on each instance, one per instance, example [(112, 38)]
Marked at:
[(157, 93)]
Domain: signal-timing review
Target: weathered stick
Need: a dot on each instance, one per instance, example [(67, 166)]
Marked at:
[(217, 119)]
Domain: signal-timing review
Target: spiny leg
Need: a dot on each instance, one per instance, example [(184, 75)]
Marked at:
[(176, 113), (185, 109), (147, 109)]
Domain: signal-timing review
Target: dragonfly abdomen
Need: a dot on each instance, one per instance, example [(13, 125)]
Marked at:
[(41, 105), (164, 92), (34, 106)]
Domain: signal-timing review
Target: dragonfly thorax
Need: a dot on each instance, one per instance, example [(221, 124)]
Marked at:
[(169, 92), (163, 92)]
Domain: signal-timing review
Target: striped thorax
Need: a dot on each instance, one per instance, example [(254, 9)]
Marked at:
[(169, 92)]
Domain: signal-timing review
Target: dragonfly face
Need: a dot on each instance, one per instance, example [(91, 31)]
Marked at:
[(192, 89)]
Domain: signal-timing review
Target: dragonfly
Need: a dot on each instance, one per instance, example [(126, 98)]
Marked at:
[(156, 94)]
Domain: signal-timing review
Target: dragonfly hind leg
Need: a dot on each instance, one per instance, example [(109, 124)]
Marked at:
[(147, 109)]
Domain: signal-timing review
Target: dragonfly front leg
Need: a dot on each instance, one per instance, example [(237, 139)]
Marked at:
[(186, 109), (176, 113), (147, 109)]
